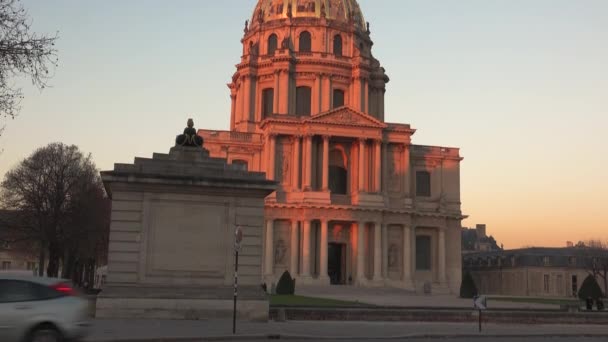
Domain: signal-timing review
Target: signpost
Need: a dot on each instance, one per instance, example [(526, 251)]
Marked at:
[(238, 238), (480, 303)]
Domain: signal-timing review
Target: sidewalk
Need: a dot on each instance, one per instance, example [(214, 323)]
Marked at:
[(176, 331), (403, 298)]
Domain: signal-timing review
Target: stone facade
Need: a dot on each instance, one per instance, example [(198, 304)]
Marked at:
[(171, 249), (355, 195), (535, 272)]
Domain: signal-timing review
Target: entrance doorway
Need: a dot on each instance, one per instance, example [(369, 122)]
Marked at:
[(336, 261)]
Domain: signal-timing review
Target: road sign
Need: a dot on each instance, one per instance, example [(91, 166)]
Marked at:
[(480, 302)]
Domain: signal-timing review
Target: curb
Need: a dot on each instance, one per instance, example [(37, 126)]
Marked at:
[(266, 337)]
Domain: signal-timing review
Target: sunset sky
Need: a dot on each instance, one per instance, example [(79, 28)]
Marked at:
[(520, 86)]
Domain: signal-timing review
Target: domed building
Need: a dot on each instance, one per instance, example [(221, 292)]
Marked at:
[(357, 203)]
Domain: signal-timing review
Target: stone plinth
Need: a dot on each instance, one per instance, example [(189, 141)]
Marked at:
[(171, 249)]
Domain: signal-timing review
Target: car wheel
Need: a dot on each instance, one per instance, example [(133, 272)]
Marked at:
[(45, 334)]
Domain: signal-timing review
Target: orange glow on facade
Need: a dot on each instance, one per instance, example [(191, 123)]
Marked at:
[(308, 109)]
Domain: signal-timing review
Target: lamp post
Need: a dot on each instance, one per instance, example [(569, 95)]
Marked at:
[(238, 237)]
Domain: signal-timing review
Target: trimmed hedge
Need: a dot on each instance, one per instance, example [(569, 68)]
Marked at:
[(286, 285), (467, 287), (590, 289)]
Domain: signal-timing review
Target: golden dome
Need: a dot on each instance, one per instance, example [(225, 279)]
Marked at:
[(337, 10)]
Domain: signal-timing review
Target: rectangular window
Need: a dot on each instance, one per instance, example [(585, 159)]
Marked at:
[(303, 101), (6, 265), (267, 102), (423, 184), (338, 98), (423, 253), (546, 283), (31, 266), (574, 286), (560, 285)]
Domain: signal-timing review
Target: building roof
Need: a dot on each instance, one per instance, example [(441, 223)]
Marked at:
[(535, 257), (339, 11)]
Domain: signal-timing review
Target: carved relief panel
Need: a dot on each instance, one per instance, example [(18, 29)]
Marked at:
[(395, 172), (284, 161), (282, 238)]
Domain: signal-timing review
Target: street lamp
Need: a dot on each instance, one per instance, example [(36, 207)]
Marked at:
[(238, 238)]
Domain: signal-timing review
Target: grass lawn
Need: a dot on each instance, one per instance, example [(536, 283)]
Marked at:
[(286, 300), (551, 301)]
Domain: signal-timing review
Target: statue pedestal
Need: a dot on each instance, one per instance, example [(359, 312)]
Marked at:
[(171, 251)]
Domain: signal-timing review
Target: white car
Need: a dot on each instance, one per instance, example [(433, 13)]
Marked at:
[(36, 309)]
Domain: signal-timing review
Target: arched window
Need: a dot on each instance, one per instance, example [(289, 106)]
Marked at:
[(338, 45), (267, 102), (338, 98), (303, 100), (338, 173), (305, 42), (273, 43)]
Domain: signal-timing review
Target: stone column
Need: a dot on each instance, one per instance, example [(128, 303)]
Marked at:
[(269, 249), (362, 174), (385, 247), (365, 97), (441, 256), (378, 166), (407, 260), (277, 76), (247, 98), (323, 253), (327, 93), (325, 165), (385, 168), (308, 166), (232, 110), (296, 163), (316, 96), (306, 250), (284, 92), (294, 244), (405, 166), (377, 252), (360, 253), (272, 157)]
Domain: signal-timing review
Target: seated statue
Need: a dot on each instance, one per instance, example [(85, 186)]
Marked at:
[(189, 138)]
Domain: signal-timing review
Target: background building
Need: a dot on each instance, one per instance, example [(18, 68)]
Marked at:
[(15, 255), (537, 272), (477, 240), (357, 203)]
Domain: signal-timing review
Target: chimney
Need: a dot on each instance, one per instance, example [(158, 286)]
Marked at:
[(481, 231)]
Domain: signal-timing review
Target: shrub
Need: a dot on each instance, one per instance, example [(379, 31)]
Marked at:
[(286, 285), (590, 289), (468, 288)]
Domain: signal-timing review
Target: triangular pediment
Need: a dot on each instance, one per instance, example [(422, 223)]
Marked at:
[(347, 116)]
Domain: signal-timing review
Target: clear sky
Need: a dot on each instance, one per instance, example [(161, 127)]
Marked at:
[(521, 86)]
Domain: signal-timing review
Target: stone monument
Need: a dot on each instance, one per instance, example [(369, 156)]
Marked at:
[(172, 236)]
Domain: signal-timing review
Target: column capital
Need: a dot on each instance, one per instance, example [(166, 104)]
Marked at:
[(273, 135), (326, 137), (362, 140)]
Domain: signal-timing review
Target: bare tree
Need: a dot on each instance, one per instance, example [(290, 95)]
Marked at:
[(596, 259), (49, 188), (22, 53)]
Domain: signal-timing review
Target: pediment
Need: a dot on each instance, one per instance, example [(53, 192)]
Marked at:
[(347, 116)]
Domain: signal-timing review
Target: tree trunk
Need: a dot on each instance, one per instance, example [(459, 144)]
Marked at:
[(41, 259), (52, 270), (69, 265)]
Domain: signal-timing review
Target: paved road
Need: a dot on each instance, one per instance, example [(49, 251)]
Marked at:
[(112, 330), (493, 339)]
